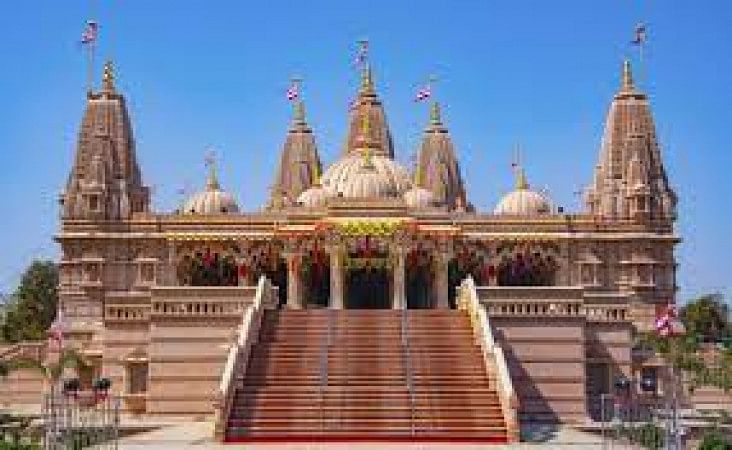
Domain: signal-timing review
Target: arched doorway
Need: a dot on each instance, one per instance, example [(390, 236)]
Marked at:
[(419, 276)]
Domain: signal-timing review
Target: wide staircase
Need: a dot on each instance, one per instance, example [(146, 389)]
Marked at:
[(320, 375)]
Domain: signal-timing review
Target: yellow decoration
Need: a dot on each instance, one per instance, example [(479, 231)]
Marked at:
[(368, 228)]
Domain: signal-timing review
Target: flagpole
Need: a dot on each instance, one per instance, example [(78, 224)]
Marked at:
[(90, 66)]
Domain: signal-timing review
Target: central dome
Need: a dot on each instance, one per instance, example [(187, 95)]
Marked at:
[(355, 177)]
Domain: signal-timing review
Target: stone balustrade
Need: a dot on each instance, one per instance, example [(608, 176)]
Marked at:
[(127, 313), (554, 301), (188, 301)]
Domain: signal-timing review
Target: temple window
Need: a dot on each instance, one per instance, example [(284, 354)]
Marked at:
[(137, 374)]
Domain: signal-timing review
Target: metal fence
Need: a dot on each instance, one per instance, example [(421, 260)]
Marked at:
[(80, 420)]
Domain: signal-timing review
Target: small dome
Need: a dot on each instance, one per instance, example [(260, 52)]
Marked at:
[(349, 177), (523, 201), (418, 197), (314, 197), (212, 200)]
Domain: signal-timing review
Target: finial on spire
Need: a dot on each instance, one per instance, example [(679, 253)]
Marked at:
[(298, 112), (367, 80), (627, 80), (435, 116), (212, 182), (521, 181), (108, 77)]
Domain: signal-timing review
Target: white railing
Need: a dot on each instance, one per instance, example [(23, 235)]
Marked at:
[(239, 351), (493, 356)]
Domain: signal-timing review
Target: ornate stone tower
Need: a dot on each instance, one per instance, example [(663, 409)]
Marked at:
[(630, 181), (439, 166), (368, 103), (105, 181), (300, 164)]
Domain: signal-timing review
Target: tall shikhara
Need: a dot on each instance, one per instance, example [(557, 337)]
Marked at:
[(300, 165), (438, 164), (630, 181), (105, 181)]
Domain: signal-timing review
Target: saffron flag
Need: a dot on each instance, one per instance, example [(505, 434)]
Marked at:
[(423, 94), (90, 33), (640, 34)]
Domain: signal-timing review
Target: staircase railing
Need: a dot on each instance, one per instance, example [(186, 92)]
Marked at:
[(408, 366), (246, 336), (323, 366), (492, 355)]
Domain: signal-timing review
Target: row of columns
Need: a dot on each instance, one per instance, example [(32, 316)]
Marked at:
[(337, 281)]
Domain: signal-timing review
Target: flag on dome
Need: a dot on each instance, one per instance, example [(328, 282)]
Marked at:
[(423, 94), (640, 34), (90, 33), (293, 92)]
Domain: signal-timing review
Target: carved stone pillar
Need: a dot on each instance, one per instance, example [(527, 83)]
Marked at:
[(294, 299), (336, 277), (400, 295), (172, 264), (441, 286)]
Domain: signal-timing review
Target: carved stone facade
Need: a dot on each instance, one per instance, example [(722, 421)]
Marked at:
[(166, 290)]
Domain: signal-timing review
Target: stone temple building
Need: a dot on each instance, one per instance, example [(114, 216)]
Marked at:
[(365, 298)]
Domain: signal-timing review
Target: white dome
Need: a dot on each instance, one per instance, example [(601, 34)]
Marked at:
[(383, 177), (419, 197), (523, 201), (212, 200), (314, 197)]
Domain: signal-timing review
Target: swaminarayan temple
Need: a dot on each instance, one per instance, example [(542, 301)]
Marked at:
[(364, 299)]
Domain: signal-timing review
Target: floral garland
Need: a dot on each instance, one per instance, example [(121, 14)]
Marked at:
[(368, 228)]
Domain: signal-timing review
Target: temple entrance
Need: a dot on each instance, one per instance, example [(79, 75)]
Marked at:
[(368, 288), (316, 278), (419, 279)]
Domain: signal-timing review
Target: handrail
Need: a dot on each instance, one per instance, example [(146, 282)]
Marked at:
[(239, 351), (407, 365), (323, 367), (493, 355)]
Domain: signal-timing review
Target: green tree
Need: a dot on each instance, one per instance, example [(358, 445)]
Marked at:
[(707, 317), (32, 306)]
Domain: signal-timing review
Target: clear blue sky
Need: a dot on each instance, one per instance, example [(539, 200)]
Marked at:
[(214, 73)]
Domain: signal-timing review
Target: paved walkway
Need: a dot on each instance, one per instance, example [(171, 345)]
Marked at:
[(184, 435)]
